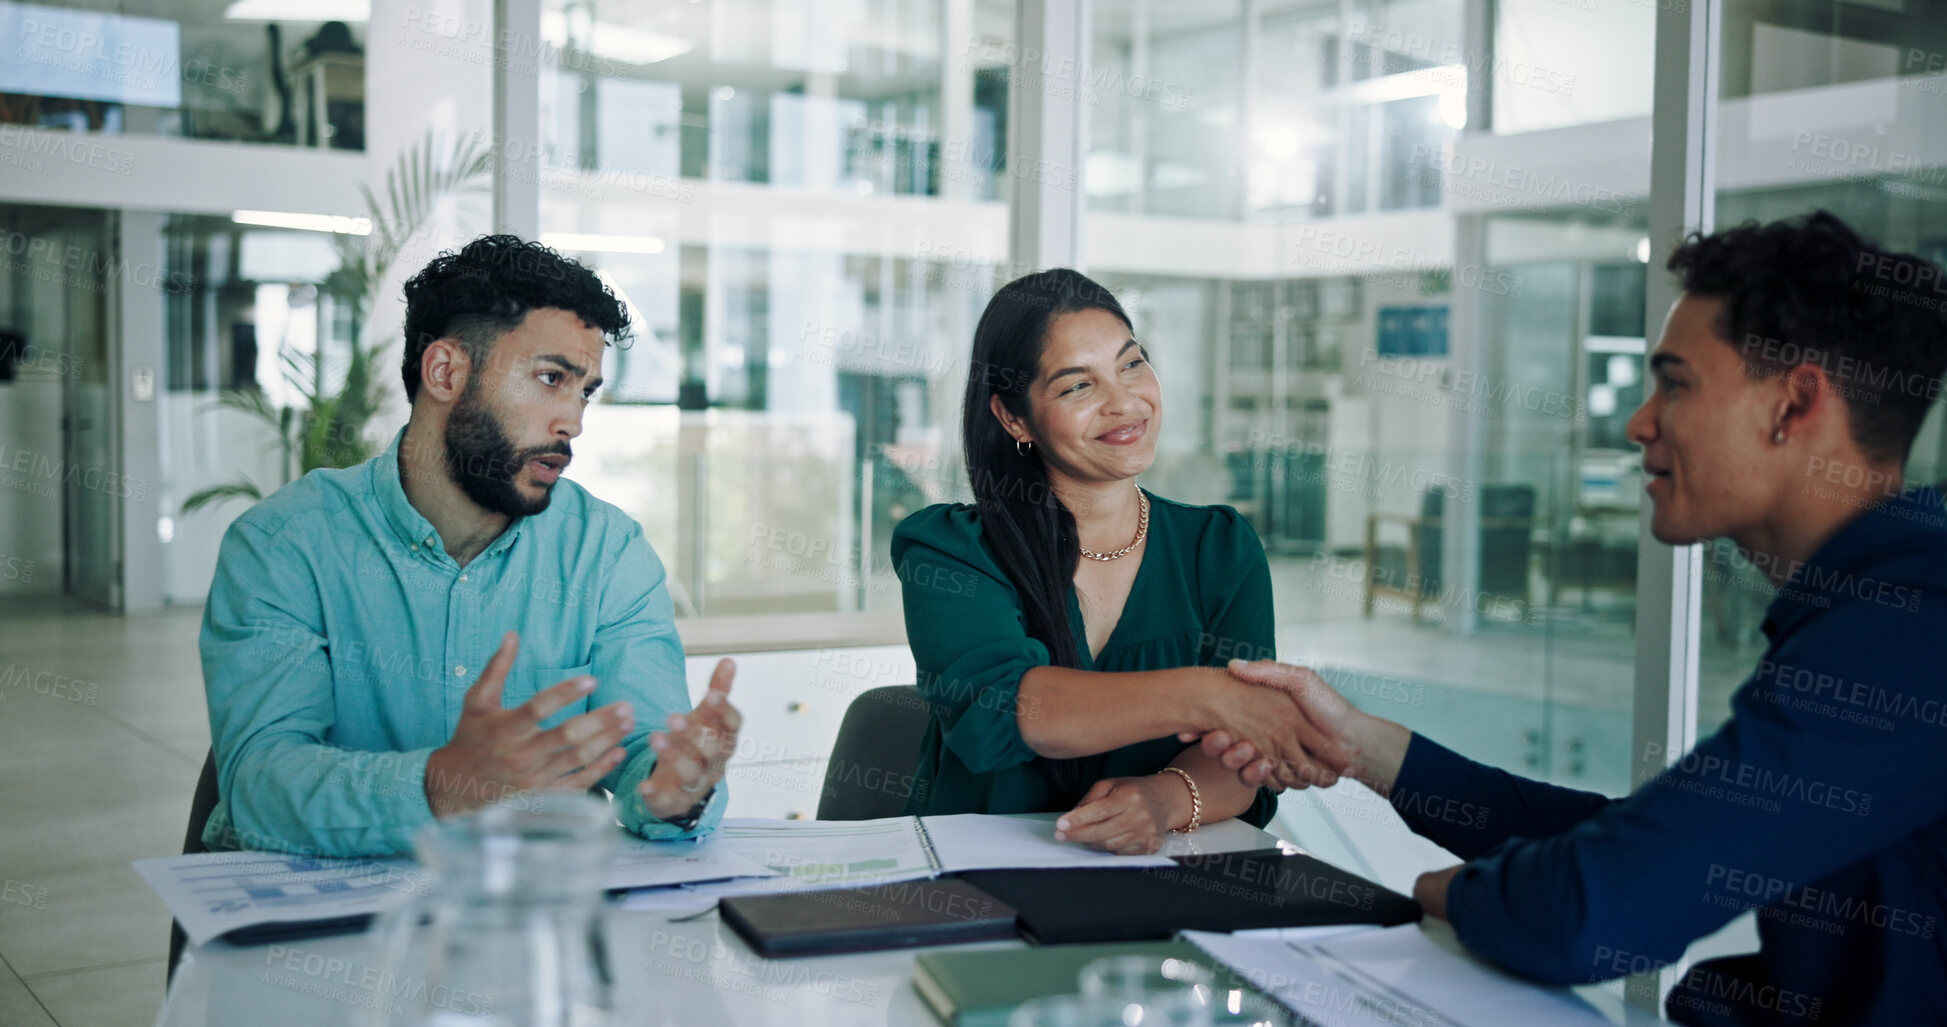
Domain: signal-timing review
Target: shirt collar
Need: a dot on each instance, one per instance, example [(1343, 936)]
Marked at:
[(409, 525), (1883, 531)]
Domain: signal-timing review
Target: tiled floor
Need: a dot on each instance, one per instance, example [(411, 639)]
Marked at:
[(103, 731)]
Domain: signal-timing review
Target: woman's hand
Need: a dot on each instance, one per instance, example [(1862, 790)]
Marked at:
[(1127, 815)]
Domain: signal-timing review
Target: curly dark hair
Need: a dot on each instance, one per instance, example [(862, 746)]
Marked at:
[(1810, 290), (485, 290)]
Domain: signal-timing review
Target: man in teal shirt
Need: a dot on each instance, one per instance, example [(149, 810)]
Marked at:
[(450, 625)]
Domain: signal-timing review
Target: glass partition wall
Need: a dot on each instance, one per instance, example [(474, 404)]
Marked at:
[(1418, 398), (1838, 107), (1392, 259)]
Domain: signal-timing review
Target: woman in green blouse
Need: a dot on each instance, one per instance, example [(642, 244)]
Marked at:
[(1063, 683)]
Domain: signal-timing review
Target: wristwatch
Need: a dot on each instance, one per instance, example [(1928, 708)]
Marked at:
[(687, 822)]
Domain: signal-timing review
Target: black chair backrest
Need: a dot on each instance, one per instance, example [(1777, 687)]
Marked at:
[(871, 770), (200, 808)]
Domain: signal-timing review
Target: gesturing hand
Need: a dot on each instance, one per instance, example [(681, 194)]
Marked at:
[(1125, 815), (690, 757), (496, 752)]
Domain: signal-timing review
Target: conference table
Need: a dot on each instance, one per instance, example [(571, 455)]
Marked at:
[(671, 967)]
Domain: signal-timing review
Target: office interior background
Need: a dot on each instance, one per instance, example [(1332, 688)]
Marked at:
[(1396, 262)]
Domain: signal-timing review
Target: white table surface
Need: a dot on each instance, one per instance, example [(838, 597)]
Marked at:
[(694, 972)]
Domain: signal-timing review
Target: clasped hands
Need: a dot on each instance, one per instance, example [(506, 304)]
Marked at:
[(1332, 739), (498, 753), (1293, 730), (1269, 723)]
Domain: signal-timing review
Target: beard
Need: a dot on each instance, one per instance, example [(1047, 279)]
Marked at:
[(482, 460)]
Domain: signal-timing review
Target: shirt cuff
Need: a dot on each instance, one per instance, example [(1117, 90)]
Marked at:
[(1428, 760), (637, 819)]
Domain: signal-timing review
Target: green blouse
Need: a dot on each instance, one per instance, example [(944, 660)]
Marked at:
[(1201, 597)]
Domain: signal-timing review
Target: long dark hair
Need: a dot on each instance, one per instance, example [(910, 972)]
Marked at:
[(1031, 533)]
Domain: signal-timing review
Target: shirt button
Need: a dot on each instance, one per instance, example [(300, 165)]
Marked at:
[(414, 547), (429, 541), (462, 577), (459, 671)]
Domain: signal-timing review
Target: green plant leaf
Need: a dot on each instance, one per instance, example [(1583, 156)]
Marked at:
[(241, 488), (326, 428)]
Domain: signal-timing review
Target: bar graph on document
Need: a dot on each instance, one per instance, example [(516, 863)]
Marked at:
[(217, 892), (831, 854)]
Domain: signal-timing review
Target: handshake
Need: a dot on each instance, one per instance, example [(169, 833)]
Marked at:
[(1280, 726)]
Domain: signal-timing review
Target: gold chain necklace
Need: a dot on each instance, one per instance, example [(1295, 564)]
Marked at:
[(1142, 529)]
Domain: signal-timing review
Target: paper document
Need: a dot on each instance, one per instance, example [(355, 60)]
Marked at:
[(1394, 975), (640, 863), (215, 892), (831, 853), (810, 854), (974, 841)]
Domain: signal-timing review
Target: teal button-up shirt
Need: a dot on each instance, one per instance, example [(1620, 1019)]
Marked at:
[(340, 640)]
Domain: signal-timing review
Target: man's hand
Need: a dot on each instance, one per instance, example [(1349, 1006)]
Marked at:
[(496, 753), (1126, 815), (691, 756), (1430, 890)]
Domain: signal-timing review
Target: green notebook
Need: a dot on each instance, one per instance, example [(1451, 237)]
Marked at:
[(979, 989)]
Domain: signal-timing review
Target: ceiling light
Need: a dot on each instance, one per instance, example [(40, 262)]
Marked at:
[(299, 10), (307, 222)]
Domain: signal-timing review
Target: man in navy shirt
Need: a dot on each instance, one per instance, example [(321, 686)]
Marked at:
[(1790, 381)]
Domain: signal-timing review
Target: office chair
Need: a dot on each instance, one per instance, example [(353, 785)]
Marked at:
[(870, 774), (200, 808)]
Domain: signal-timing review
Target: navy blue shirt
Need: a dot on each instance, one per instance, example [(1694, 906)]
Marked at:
[(1822, 803)]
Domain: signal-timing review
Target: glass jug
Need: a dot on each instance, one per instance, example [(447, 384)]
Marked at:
[(509, 931)]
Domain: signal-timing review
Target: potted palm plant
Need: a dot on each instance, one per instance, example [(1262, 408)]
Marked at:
[(326, 426)]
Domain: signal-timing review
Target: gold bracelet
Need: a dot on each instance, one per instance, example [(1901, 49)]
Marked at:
[(1196, 798)]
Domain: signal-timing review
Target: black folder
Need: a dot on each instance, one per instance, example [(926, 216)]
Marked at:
[(905, 914), (1223, 892)]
